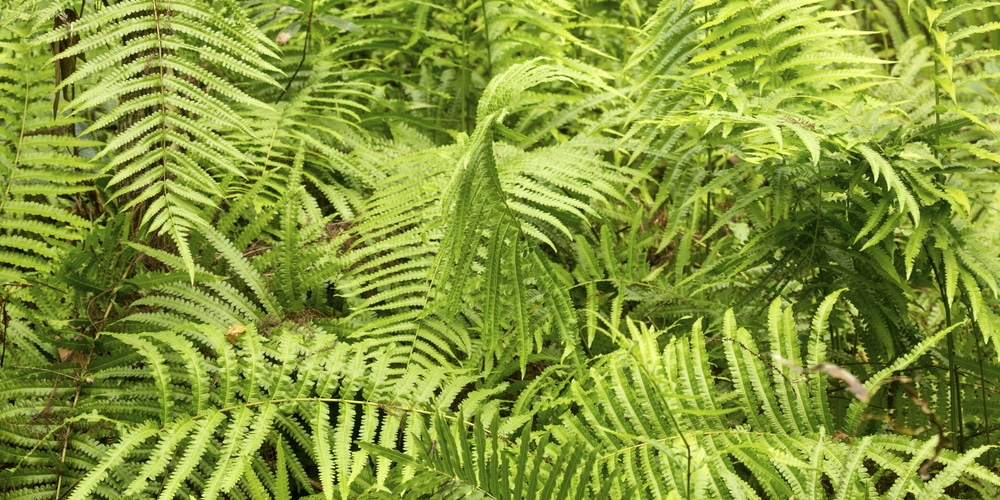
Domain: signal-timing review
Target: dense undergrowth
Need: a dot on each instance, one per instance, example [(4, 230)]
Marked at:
[(505, 249)]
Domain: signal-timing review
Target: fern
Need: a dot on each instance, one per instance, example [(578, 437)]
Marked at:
[(170, 127), (674, 249), (659, 418), (40, 160)]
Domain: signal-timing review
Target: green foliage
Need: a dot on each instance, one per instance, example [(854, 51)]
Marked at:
[(265, 250)]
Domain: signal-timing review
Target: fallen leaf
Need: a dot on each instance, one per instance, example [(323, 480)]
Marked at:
[(234, 332)]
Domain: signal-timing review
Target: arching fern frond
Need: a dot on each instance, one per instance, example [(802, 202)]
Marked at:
[(44, 183), (171, 83), (496, 210)]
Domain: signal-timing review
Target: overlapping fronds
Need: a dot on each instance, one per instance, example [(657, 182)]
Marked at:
[(168, 68), (499, 249), (490, 220), (45, 178), (664, 423), (220, 409), (455, 464)]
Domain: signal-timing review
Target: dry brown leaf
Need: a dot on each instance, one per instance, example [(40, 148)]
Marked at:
[(65, 354), (233, 332)]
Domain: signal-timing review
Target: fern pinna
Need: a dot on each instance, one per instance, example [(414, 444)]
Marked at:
[(498, 249)]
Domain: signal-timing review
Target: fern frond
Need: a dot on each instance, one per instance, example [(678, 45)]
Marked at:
[(134, 437), (854, 412), (172, 127)]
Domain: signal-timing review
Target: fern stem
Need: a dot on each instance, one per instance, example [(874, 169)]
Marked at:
[(976, 333), (4, 323), (162, 88), (680, 433), (463, 82), (956, 394), (956, 406), (708, 196), (937, 113), (486, 38), (20, 142), (69, 429), (767, 48), (982, 385), (305, 51)]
